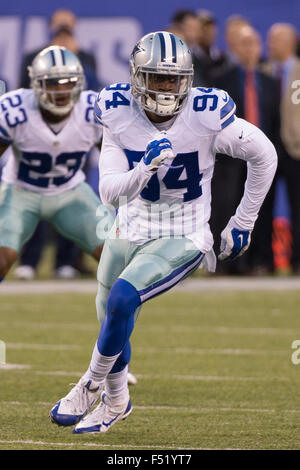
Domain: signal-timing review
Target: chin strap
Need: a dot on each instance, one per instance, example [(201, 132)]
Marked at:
[(164, 105), (58, 111)]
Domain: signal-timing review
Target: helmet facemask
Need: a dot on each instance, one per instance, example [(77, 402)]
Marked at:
[(51, 99), (158, 101)]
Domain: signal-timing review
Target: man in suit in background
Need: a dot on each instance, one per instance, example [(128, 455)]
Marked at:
[(284, 65), (233, 26), (208, 60), (184, 23), (257, 101)]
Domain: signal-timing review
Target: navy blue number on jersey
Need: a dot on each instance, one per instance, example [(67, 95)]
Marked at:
[(188, 162), (182, 161), (152, 191), (42, 163), (89, 113), (16, 117), (208, 100), (118, 99)]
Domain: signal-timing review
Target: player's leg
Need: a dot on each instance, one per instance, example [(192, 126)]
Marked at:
[(31, 253), (79, 216), (153, 269), (97, 252), (18, 220), (110, 267), (7, 258), (77, 403)]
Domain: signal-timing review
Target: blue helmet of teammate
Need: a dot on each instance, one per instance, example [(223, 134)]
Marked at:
[(57, 78), (156, 54)]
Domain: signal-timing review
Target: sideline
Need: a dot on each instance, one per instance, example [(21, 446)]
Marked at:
[(209, 284)]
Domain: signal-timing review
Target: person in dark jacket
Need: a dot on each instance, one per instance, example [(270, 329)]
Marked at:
[(257, 100)]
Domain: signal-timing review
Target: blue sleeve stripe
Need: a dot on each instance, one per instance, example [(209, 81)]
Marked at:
[(4, 132), (5, 141), (98, 113), (227, 108), (227, 122)]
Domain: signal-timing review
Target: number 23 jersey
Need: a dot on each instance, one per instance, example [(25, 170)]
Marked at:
[(41, 160), (176, 200)]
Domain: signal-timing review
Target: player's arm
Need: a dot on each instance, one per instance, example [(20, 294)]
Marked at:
[(117, 180), (6, 131), (243, 140), (99, 145), (3, 147)]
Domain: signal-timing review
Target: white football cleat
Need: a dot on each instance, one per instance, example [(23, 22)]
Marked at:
[(131, 379), (74, 406), (103, 416), (66, 272), (24, 272)]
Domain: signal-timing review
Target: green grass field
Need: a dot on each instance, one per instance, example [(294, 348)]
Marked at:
[(214, 371)]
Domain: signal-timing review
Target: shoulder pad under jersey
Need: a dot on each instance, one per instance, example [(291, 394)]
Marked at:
[(14, 107), (213, 108), (113, 107)]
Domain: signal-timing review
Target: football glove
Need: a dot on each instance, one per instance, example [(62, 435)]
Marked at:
[(156, 152), (234, 241)]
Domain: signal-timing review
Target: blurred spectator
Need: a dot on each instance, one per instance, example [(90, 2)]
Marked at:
[(284, 66), (234, 24), (69, 258), (298, 46), (257, 101), (208, 60), (61, 30), (184, 23)]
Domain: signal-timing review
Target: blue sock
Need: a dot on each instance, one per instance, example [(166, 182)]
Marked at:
[(1, 279), (118, 324)]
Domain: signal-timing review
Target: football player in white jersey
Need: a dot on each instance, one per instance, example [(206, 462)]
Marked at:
[(49, 129), (156, 164)]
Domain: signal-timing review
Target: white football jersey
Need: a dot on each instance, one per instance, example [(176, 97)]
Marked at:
[(42, 160), (176, 200)]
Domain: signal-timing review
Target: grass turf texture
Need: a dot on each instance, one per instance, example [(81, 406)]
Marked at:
[(214, 371)]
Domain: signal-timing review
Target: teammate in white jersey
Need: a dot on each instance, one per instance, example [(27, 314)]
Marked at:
[(156, 164), (49, 129)]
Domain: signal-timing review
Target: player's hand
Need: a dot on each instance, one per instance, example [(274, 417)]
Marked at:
[(156, 152), (234, 241)]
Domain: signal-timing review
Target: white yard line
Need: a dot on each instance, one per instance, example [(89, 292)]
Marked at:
[(156, 350), (14, 366), (91, 444), (211, 351), (183, 409), (205, 284), (168, 377), (224, 330), (45, 347)]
